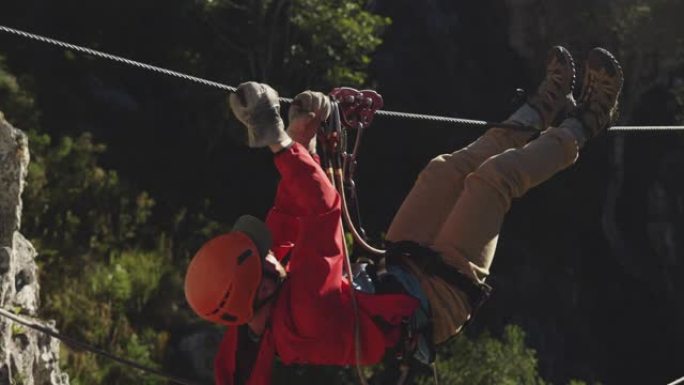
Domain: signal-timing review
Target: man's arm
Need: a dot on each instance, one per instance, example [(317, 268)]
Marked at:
[(312, 197), (309, 190), (307, 111)]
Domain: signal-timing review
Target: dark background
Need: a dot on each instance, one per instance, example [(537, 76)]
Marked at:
[(589, 264)]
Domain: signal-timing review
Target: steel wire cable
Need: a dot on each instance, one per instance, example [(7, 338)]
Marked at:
[(390, 114), (116, 58)]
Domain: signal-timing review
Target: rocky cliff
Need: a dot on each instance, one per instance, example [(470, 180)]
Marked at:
[(26, 357)]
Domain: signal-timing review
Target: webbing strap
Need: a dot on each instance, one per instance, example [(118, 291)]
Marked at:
[(433, 264)]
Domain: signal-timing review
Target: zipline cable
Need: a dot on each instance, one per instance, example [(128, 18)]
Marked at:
[(117, 59), (82, 345), (391, 114)]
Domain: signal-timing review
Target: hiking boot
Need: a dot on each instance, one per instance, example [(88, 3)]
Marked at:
[(598, 102), (554, 94), (257, 106)]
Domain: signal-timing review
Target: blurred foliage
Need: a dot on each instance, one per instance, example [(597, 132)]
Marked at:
[(105, 305), (336, 42), (76, 206), (97, 272), (16, 104), (488, 360), (297, 44)]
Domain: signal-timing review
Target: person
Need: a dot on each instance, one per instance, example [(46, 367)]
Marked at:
[(279, 285)]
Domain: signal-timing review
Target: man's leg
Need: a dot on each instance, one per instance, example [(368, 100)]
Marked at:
[(440, 184), (468, 237)]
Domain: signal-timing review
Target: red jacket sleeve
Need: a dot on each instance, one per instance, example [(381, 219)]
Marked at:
[(310, 193), (284, 230), (282, 220), (316, 263), (305, 199)]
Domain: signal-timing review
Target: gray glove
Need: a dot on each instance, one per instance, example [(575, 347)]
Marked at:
[(306, 113), (257, 106), (310, 104)]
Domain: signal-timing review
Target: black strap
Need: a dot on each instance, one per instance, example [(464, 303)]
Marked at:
[(432, 263), (286, 258)]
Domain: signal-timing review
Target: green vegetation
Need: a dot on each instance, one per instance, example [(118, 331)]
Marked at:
[(332, 40), (96, 273), (337, 42), (488, 360)]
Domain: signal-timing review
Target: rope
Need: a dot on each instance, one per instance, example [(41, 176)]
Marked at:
[(436, 119), (355, 305), (225, 87), (645, 128), (82, 345)]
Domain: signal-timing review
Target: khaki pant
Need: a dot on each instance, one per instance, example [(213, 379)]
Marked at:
[(458, 203)]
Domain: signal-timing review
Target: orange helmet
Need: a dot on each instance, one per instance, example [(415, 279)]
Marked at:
[(224, 275)]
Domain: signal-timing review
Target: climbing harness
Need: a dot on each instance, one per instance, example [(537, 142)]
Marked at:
[(81, 345), (353, 110), (433, 264)]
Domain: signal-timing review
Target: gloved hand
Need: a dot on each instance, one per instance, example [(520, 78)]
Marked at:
[(306, 113), (257, 106)]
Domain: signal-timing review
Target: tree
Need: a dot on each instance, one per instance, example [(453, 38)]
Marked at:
[(297, 44), (488, 360)]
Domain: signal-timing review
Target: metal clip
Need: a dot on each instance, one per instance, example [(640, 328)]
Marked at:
[(357, 108)]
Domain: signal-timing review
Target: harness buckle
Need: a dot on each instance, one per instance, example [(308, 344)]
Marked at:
[(432, 263)]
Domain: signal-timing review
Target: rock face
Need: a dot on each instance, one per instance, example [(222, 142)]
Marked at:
[(26, 357)]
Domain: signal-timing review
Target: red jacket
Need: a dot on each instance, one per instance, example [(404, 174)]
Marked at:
[(312, 321)]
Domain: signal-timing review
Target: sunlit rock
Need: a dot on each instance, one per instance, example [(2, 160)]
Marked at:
[(27, 357)]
